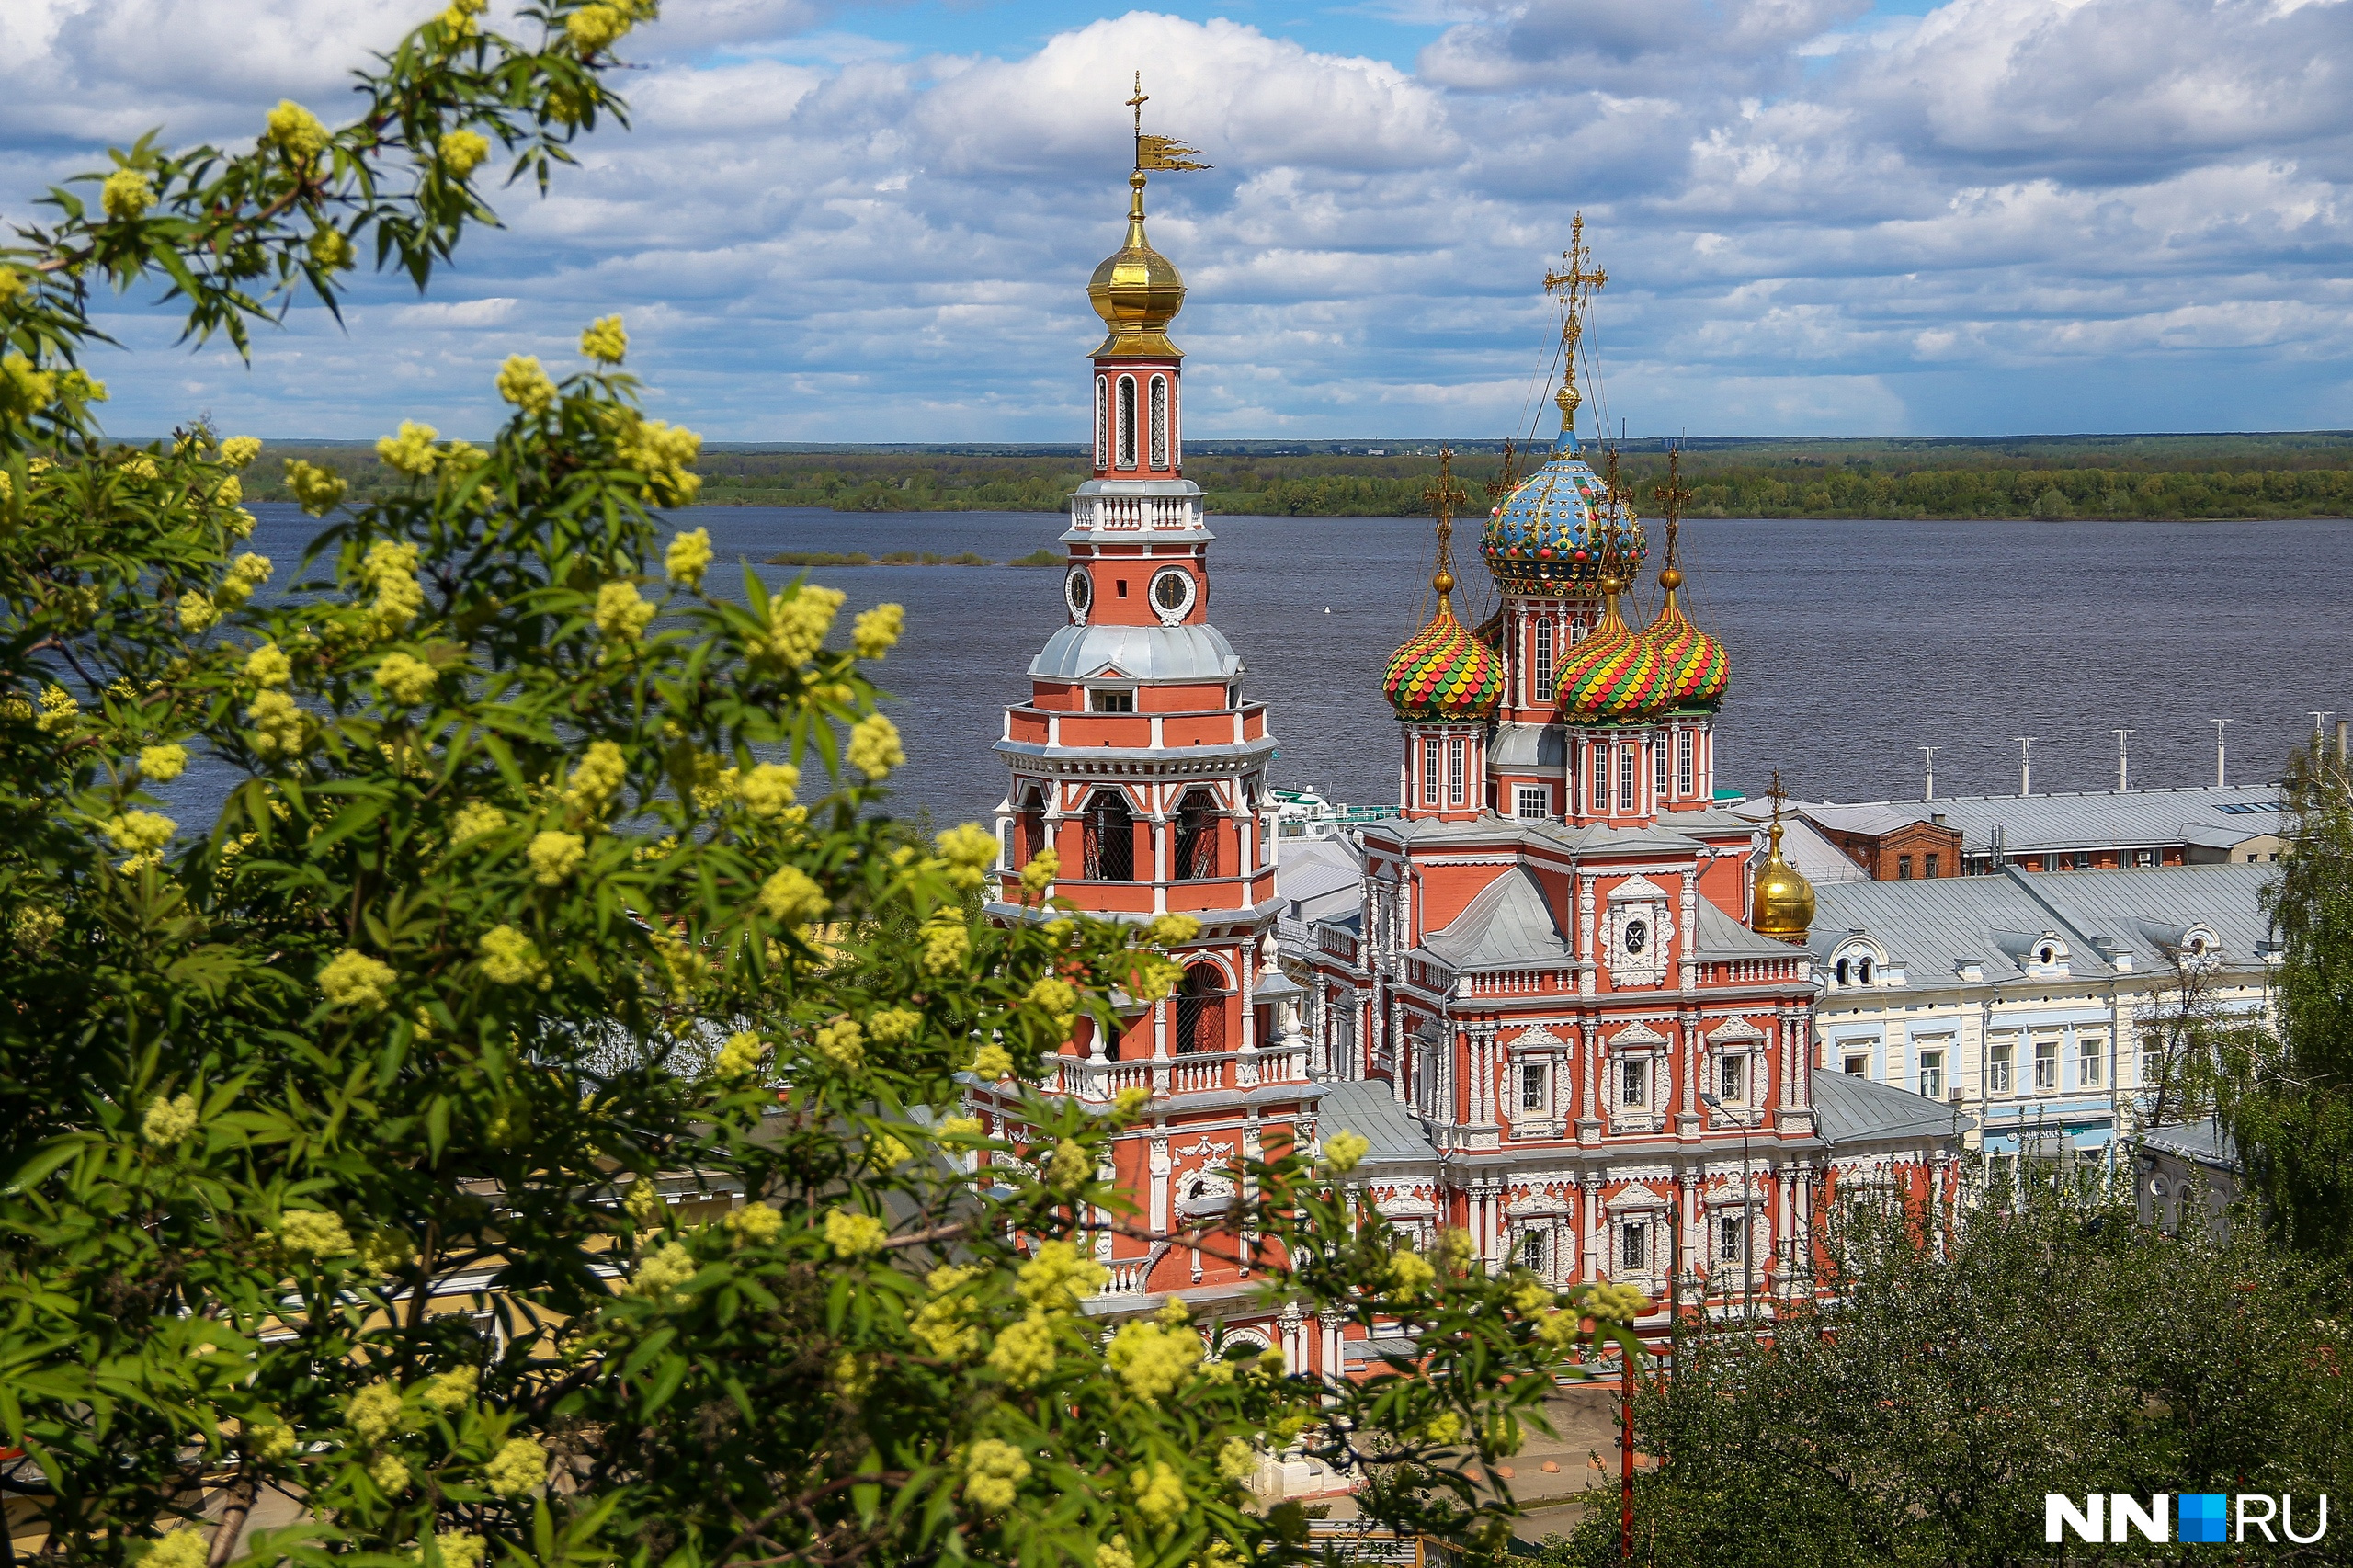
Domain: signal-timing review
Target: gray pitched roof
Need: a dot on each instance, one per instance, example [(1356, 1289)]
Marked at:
[(1849, 1110), (1722, 937), (2078, 818), (2201, 1142), (1372, 1113), (1989, 920), (1509, 924)]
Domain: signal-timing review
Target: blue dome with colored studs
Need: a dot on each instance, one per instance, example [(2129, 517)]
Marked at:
[(1547, 537)]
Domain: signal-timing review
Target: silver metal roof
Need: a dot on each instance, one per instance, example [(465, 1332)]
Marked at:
[(1507, 925), (1932, 925), (1371, 1112), (1138, 653), (1849, 1109), (2080, 819), (1528, 745), (1722, 937)]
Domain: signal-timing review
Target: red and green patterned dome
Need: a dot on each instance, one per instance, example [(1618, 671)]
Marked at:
[(1443, 671), (1613, 677), (1694, 669)]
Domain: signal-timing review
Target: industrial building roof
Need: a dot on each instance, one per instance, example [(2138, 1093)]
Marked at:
[(2214, 818)]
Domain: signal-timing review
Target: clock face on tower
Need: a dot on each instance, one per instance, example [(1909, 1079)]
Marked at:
[(1172, 594), (1078, 592)]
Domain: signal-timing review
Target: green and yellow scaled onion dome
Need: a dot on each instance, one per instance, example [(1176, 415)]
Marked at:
[(1694, 669), (1443, 671), (1548, 535), (1614, 676)]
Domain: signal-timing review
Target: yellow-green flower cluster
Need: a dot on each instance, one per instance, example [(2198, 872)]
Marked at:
[(280, 728), (239, 451), (388, 570), (179, 1549), (1619, 1303), (1059, 1278), (126, 196), (524, 384), (894, 1025), (352, 979), (993, 1472), (852, 1234), (798, 623), (141, 833), (739, 1055), (622, 614), (246, 573), (509, 957), (970, 851), (1409, 1273), (167, 1120), (660, 1275), (661, 453), (518, 1466), (387, 1251), (842, 1042), (330, 248), (1343, 1150), (475, 819), (295, 132), (688, 556), (267, 666), (463, 152), (946, 942), (554, 856), (606, 342), (874, 748), (1040, 873), (597, 778), (769, 789), (943, 1326), (459, 1549), (406, 680), (411, 451), (1025, 1351), (320, 490), (1151, 1359), (1159, 1492), (793, 897), (1236, 1459), (876, 633), (310, 1233), (756, 1224)]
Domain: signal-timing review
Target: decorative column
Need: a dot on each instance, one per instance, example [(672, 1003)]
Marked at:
[(1589, 1186), (1690, 1229), (1585, 949), (1158, 1165)]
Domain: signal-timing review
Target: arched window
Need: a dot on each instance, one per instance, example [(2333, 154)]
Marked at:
[(1863, 971), (1032, 836), (1200, 1011), (1102, 421), (1543, 692), (1110, 831), (1844, 970), (1197, 838), (1160, 421), (1126, 421)]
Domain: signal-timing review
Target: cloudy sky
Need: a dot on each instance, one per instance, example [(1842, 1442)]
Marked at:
[(874, 222)]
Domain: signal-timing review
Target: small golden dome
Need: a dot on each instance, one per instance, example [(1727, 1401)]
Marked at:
[(1784, 903), (1137, 292)]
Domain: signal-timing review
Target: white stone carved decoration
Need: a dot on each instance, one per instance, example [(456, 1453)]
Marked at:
[(1078, 592), (1203, 1193), (1202, 1148), (1637, 932)]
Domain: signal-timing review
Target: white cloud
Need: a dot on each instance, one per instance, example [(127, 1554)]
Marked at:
[(1814, 218)]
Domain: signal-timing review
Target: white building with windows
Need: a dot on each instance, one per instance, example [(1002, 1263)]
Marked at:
[(2020, 998)]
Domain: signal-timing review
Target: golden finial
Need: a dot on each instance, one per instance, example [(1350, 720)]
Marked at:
[(1614, 575), (1444, 495), (1574, 280), (1782, 900), (1672, 497)]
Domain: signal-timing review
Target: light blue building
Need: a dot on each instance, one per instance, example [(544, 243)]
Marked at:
[(2025, 999)]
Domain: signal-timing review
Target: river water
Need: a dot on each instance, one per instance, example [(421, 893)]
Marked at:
[(1852, 643)]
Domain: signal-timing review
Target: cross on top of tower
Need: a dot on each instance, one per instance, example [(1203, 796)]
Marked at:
[(1574, 282), (1444, 495), (1672, 497)]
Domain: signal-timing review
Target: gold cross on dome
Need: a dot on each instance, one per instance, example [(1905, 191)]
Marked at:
[(1574, 282), (1138, 102), (1444, 495), (1672, 497)]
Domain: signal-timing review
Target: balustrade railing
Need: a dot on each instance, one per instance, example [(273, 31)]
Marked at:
[(1207, 1073), (1123, 513)]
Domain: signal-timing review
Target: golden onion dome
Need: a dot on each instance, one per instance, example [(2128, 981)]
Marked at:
[(1784, 900), (1137, 292), (1693, 667)]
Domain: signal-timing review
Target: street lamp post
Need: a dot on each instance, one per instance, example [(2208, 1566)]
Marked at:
[(1747, 1221)]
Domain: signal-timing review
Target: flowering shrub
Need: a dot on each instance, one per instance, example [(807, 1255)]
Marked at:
[(550, 876)]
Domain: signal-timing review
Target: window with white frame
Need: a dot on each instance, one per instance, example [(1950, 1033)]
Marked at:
[(1658, 765), (1532, 1250), (1729, 1239), (1634, 1246), (1431, 753), (2152, 1061), (1127, 399), (2046, 1064), (1160, 421), (1634, 1083), (1543, 637), (1455, 748), (1682, 780), (1532, 804), (1102, 421), (2000, 1066), (1857, 1064), (1932, 1075), (1600, 776), (1531, 1088), (1626, 778), (1732, 1078), (2091, 1058)]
